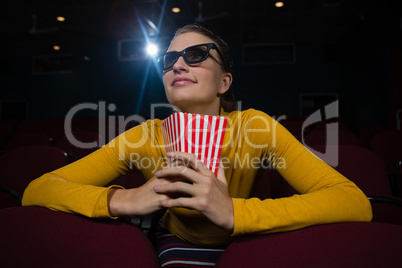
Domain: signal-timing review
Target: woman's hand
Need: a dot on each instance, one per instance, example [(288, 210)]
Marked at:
[(137, 201), (198, 189)]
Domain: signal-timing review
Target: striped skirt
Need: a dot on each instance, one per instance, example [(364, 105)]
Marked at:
[(174, 252)]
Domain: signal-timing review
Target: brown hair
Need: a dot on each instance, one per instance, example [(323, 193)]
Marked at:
[(227, 100)]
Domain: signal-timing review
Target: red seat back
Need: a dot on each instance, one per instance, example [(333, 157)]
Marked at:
[(367, 133), (334, 245), (75, 149), (39, 237), (364, 168), (388, 146), (319, 137), (18, 167), (22, 140), (356, 163)]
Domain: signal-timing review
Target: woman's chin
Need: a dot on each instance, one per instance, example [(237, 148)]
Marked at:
[(183, 104), (183, 107)]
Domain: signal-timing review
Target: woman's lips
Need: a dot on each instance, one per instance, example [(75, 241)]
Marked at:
[(178, 81)]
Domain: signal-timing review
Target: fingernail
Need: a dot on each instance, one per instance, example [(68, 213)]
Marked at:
[(157, 173), (156, 188)]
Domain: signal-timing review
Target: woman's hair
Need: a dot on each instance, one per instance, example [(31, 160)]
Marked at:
[(227, 99)]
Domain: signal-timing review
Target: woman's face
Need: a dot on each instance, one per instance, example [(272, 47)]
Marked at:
[(195, 88)]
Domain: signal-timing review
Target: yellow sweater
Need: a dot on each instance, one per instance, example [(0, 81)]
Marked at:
[(252, 139)]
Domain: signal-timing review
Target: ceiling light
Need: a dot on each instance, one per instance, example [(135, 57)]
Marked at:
[(56, 47), (176, 10), (60, 18), (279, 4)]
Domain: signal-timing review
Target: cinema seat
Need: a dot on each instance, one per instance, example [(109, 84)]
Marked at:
[(75, 151), (18, 167), (318, 137), (388, 146), (355, 244), (358, 164), (22, 140), (40, 237)]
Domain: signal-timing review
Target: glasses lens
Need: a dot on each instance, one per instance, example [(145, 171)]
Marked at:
[(169, 59), (196, 54)]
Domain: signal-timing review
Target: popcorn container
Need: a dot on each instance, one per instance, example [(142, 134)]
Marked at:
[(197, 134)]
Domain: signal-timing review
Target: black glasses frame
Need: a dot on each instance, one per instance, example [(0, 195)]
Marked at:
[(182, 53)]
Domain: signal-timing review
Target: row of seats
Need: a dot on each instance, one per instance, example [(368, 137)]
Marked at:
[(39, 237), (385, 142), (358, 164), (21, 165), (54, 127), (51, 132), (18, 167)]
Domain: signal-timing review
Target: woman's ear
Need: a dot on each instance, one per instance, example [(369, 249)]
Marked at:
[(226, 83)]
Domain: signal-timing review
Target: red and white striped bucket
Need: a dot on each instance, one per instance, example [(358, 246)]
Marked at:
[(198, 134)]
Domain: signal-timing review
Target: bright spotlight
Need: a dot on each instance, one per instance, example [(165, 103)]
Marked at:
[(152, 49)]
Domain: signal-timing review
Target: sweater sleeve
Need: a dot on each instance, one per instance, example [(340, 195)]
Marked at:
[(325, 195), (79, 186)]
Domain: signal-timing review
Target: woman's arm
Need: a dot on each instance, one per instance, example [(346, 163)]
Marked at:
[(76, 188), (79, 187), (325, 195)]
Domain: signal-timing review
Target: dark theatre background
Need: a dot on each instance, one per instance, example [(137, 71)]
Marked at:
[(87, 58), (350, 48)]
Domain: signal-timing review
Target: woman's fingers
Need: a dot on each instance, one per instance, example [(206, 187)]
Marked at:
[(178, 173), (176, 187), (188, 160), (184, 167), (182, 202)]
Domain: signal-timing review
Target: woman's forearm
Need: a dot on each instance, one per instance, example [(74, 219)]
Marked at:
[(119, 203), (62, 195)]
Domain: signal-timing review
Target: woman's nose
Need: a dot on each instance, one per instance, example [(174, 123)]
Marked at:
[(180, 65)]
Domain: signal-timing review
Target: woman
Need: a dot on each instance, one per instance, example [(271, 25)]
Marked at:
[(204, 211)]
